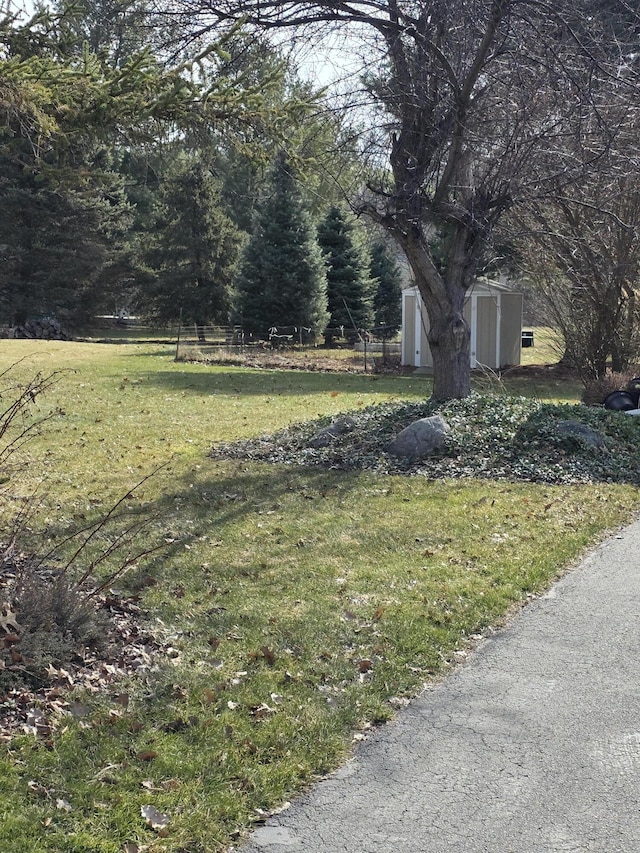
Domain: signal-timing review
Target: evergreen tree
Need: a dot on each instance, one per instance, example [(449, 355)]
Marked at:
[(282, 281), (62, 246), (348, 283), (195, 251), (387, 302), (115, 30)]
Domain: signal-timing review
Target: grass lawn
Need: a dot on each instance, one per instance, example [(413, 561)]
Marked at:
[(294, 607)]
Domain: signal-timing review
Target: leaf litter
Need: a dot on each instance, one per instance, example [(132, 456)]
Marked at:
[(44, 703)]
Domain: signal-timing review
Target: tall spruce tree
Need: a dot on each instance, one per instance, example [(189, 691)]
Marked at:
[(195, 251), (61, 247), (282, 283), (387, 302), (349, 288)]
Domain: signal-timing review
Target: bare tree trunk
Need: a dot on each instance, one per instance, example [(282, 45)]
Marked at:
[(449, 338), (443, 295)]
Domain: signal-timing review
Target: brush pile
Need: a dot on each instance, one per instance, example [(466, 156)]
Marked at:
[(45, 328)]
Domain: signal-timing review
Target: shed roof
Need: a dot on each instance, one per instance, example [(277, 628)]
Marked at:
[(483, 285)]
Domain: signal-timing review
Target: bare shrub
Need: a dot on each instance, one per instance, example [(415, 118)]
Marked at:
[(597, 390), (55, 606), (17, 423), (52, 623), (50, 612)]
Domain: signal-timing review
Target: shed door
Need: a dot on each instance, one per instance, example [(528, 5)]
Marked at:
[(409, 330), (486, 331)]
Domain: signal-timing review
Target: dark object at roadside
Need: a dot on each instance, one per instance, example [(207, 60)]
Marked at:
[(619, 401), (527, 339)]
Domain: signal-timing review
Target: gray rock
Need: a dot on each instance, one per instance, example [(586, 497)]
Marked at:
[(420, 439), (584, 433), (328, 435)]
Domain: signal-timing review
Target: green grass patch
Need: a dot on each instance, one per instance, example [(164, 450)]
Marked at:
[(296, 606), (547, 347)]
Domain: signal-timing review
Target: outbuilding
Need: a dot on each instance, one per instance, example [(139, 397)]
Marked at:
[(493, 311)]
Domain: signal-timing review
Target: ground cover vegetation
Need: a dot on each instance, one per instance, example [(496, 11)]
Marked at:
[(491, 436), (291, 608)]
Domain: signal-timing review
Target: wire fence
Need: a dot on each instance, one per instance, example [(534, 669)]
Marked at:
[(364, 349)]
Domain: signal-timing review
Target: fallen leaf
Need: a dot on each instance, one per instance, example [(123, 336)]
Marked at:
[(261, 712), (147, 755), (36, 788), (155, 819), (63, 805), (8, 620), (36, 723), (269, 655), (176, 725)]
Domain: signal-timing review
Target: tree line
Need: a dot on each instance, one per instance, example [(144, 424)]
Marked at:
[(191, 190), (171, 156)]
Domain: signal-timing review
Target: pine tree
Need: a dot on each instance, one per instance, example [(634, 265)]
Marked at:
[(387, 302), (282, 281), (348, 283), (62, 246), (195, 251)]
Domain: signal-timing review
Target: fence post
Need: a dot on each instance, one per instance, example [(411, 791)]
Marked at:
[(178, 339)]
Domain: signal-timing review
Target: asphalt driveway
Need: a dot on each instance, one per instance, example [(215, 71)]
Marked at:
[(533, 745)]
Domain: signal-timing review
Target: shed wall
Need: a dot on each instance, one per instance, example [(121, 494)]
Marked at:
[(494, 316)]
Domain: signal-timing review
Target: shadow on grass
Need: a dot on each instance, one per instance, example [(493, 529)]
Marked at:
[(224, 496), (232, 491), (241, 381), (201, 379)]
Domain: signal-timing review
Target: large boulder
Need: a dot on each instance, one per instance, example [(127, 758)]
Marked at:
[(583, 433), (420, 439)]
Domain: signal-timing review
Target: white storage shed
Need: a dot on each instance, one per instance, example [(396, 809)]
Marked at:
[(493, 311)]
